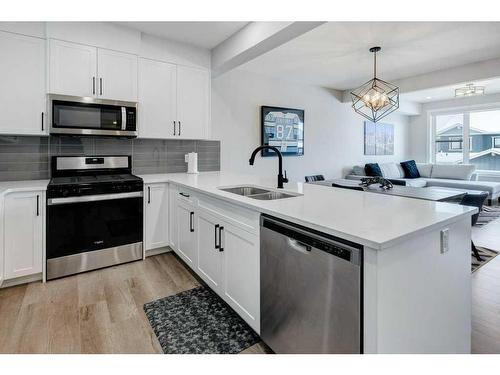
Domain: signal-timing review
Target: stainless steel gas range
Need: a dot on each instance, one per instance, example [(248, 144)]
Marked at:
[(94, 214)]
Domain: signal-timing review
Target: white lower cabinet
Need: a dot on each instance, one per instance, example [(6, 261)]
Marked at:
[(241, 269), (227, 252), (156, 216), (23, 233), (186, 236), (209, 252)]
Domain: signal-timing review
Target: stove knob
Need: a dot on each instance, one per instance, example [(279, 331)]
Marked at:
[(65, 192)]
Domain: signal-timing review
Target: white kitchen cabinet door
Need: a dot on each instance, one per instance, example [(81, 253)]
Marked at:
[(72, 69), (22, 88), (172, 205), (209, 255), (193, 93), (158, 99), (23, 234), (117, 75), (156, 226), (186, 236), (241, 273)]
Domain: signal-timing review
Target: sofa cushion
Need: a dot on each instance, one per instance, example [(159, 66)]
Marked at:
[(453, 171), (424, 169), (358, 170), (391, 170), (493, 188), (415, 182), (410, 169), (373, 169)]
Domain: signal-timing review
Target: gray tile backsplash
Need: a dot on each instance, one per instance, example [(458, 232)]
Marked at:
[(28, 158)]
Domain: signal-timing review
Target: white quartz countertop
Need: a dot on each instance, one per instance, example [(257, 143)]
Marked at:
[(10, 186), (374, 220)]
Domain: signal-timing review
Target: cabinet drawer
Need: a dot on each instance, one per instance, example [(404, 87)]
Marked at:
[(238, 216)]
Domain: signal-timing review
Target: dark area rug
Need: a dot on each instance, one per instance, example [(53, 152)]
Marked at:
[(485, 254), (198, 321)]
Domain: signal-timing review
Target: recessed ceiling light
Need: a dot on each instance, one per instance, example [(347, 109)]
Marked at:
[(428, 97)]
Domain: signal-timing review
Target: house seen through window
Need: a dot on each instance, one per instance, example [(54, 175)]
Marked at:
[(468, 137)]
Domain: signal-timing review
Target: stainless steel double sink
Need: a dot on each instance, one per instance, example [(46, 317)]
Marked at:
[(259, 193)]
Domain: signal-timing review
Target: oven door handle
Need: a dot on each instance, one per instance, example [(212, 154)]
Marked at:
[(93, 198)]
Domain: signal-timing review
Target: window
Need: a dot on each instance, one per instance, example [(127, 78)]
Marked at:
[(448, 138), (456, 143), (471, 137)]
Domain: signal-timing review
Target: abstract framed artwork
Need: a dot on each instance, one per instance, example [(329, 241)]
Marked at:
[(379, 138), (282, 128)]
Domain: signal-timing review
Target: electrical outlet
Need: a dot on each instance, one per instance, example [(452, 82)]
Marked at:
[(186, 158), (445, 240)]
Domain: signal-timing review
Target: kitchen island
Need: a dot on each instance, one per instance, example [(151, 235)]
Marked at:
[(416, 293)]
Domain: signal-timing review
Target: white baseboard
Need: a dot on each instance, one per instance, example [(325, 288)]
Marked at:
[(22, 280), (157, 251)]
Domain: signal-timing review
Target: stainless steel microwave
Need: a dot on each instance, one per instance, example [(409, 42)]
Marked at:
[(74, 115)]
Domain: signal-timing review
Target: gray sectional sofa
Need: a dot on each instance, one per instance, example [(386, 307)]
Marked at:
[(457, 176)]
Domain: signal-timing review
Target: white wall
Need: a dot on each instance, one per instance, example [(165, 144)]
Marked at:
[(419, 126), (333, 132)]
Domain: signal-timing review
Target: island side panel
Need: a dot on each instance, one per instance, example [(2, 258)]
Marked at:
[(417, 299)]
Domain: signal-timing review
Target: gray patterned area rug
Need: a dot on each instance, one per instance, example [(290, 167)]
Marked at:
[(487, 215), (197, 321)]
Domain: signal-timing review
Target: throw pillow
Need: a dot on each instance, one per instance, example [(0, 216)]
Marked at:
[(373, 170), (358, 170), (410, 168)]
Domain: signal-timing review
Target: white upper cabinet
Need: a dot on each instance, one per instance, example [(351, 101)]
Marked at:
[(22, 88), (72, 68), (157, 98), (193, 100), (23, 234), (174, 101), (117, 75), (81, 70), (156, 216)]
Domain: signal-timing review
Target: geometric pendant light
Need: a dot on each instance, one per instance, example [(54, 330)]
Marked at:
[(376, 98)]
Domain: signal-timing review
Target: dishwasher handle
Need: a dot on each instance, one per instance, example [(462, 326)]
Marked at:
[(304, 240), (299, 246)]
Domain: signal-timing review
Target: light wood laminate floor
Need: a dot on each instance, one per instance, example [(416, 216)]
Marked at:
[(101, 311), (94, 312)]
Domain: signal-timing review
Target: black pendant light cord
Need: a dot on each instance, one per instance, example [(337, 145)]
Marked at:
[(375, 50)]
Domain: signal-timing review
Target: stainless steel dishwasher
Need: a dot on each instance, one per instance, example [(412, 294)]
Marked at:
[(311, 290)]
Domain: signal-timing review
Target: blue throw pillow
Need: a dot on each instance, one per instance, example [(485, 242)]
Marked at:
[(410, 169), (373, 170)]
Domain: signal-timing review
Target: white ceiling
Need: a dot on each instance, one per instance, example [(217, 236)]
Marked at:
[(336, 55), (201, 34)]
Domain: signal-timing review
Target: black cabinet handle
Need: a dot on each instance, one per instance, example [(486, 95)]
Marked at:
[(93, 85), (191, 216), (37, 205), (42, 119), (149, 195), (179, 128), (184, 195), (100, 83), (174, 127), (216, 244), (220, 238)]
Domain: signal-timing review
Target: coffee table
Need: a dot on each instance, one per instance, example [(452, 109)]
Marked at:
[(431, 193)]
